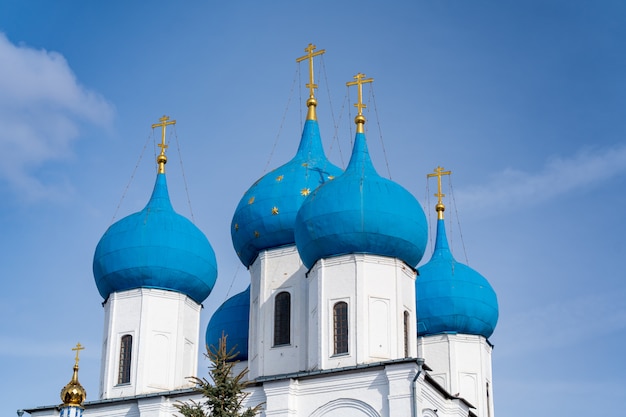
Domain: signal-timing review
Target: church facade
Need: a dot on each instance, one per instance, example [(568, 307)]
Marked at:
[(338, 319)]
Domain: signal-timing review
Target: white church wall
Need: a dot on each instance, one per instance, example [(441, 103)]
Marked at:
[(275, 271), (378, 290), (431, 403), (164, 327), (462, 365), (381, 391), (345, 393)]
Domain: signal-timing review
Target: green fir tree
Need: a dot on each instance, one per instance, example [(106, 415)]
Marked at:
[(223, 394)]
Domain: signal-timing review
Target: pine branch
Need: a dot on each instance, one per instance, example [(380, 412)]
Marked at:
[(224, 393)]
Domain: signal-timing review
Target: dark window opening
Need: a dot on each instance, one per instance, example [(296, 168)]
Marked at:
[(126, 349), (340, 327), (488, 401), (282, 319), (406, 334)]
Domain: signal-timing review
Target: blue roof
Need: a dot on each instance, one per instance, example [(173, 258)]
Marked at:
[(361, 212), (233, 320), (265, 216), (451, 296), (155, 248)]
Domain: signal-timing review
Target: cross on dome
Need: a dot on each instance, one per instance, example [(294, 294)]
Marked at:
[(310, 54), (311, 102), (78, 348), (440, 207), (162, 159), (360, 80)]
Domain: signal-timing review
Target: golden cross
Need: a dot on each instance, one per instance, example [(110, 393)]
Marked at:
[(164, 122), (162, 159), (78, 348), (360, 80), (310, 54), (439, 172), (360, 119)]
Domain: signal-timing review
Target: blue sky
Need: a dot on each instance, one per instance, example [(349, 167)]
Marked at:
[(524, 101)]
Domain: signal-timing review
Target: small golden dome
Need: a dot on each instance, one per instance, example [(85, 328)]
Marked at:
[(73, 393)]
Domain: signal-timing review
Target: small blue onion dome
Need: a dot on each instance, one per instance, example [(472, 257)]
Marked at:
[(361, 212), (451, 296), (155, 248), (265, 216), (232, 319)]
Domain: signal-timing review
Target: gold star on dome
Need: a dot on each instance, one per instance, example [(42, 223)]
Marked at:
[(256, 233), (251, 200), (236, 227), (279, 178), (274, 210), (305, 192), (305, 164), (331, 177)]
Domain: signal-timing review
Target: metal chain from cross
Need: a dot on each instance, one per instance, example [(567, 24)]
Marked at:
[(310, 54)]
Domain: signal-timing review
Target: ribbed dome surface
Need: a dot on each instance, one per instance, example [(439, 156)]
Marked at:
[(233, 320), (155, 248), (452, 297), (266, 214), (361, 212), (73, 394)]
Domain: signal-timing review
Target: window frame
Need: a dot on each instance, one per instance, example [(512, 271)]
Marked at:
[(125, 360), (406, 316), (341, 328), (282, 319)]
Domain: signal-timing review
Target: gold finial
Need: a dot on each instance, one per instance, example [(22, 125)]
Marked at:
[(359, 119), (73, 394), (162, 159), (439, 172), (311, 103)]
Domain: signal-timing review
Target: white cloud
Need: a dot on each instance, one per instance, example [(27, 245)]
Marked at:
[(41, 108), (559, 176), (562, 323)]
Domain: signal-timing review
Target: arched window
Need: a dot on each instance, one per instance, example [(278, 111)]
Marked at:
[(282, 319), (340, 327), (406, 334), (126, 349)]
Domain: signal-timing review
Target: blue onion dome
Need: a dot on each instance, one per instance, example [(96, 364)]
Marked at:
[(361, 212), (232, 319), (451, 296), (155, 248), (266, 214)]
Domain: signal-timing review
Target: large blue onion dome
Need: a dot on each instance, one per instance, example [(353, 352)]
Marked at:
[(232, 319), (361, 212), (451, 296), (266, 214), (155, 248)]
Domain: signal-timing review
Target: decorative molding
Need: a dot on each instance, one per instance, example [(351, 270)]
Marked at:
[(345, 403)]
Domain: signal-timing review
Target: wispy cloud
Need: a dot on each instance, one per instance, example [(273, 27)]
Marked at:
[(563, 323), (513, 188), (41, 107)]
